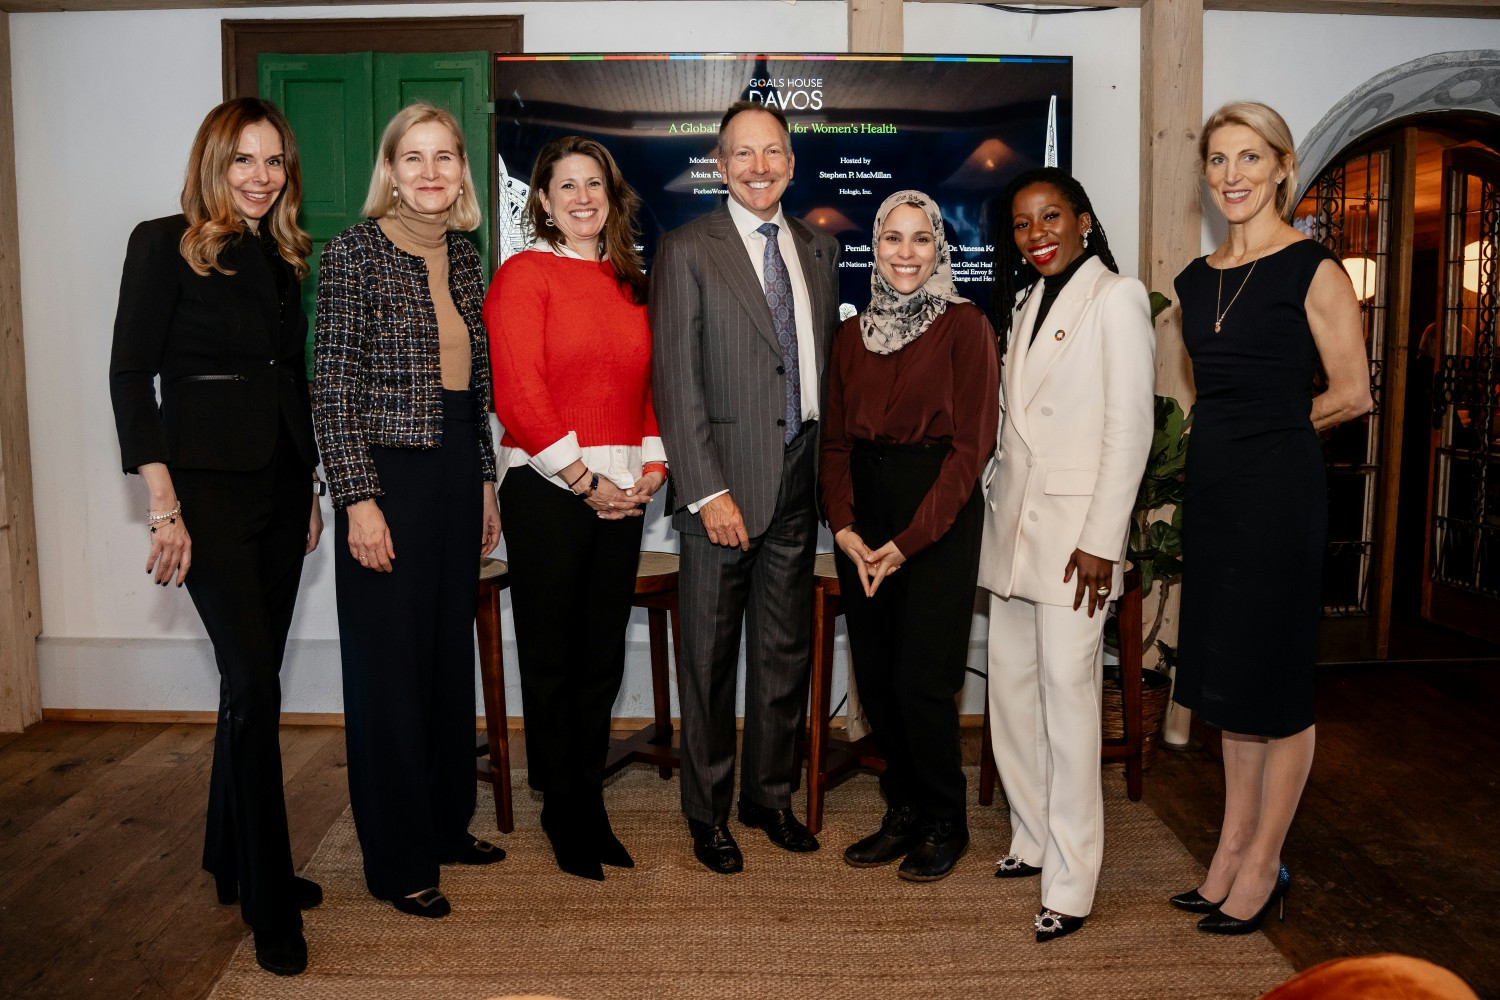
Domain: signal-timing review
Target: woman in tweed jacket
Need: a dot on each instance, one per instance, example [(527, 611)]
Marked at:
[(401, 395)]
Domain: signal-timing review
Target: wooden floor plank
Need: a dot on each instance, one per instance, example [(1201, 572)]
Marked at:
[(1393, 849)]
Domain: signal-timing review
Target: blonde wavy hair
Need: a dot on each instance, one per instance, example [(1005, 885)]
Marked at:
[(208, 203), (382, 198), (1263, 120)]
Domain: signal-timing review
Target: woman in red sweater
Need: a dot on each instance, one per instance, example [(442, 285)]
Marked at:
[(581, 457)]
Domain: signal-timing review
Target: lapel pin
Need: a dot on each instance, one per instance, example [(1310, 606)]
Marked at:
[(1060, 334), (817, 254)]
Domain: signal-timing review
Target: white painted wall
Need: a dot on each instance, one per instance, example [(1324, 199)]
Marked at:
[(1304, 64), (105, 108)]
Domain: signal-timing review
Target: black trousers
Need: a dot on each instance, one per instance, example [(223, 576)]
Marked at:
[(572, 583), (249, 533), (407, 640), (910, 641)]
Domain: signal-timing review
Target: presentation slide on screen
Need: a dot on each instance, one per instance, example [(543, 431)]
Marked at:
[(862, 128)]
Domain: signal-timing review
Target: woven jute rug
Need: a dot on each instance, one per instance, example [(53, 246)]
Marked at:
[(789, 926)]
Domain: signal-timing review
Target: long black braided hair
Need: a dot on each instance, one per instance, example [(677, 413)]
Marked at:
[(1013, 273)]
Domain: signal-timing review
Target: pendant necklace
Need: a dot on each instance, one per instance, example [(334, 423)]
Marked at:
[(1218, 299)]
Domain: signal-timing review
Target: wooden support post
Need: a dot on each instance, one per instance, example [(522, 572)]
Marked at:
[(20, 588), (1171, 113), (875, 26), (1171, 218)]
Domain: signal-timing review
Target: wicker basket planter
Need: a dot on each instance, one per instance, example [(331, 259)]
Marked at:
[(1156, 689)]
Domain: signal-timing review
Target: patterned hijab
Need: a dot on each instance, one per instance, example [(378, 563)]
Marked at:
[(893, 320)]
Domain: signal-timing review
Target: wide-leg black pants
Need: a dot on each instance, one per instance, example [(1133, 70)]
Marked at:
[(249, 534), (407, 640), (572, 582), (910, 641)]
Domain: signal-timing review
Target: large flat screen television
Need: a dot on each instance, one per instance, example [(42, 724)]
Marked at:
[(863, 127)]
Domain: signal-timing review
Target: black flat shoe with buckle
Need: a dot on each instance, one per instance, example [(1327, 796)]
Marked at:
[(479, 852), (427, 903)]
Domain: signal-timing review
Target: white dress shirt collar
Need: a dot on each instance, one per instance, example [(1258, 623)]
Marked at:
[(747, 222)]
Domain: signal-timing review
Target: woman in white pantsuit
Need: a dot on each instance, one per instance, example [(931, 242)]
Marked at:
[(1075, 431)]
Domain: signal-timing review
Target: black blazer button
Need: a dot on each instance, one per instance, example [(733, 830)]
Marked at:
[(781, 423), (780, 369)]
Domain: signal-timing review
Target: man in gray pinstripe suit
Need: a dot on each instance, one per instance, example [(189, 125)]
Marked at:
[(744, 302)]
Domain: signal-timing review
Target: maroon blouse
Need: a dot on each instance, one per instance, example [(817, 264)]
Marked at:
[(942, 388)]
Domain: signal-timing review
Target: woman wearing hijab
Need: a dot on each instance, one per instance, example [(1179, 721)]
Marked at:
[(908, 422), (1079, 376)]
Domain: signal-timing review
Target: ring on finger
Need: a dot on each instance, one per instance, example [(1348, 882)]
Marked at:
[(1101, 591)]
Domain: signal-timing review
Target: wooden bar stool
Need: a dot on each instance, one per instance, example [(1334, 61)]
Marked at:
[(493, 749), (828, 759), (1128, 747), (656, 591)]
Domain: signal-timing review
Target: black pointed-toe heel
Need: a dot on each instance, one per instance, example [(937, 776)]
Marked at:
[(1193, 902), (1011, 866), (1219, 922), (282, 951)]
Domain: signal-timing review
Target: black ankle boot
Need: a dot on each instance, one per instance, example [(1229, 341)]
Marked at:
[(899, 832), (573, 843), (943, 843)]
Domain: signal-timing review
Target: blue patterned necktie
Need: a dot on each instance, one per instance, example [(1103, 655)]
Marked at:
[(784, 316)]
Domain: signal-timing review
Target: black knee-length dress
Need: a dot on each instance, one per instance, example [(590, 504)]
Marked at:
[(1255, 514)]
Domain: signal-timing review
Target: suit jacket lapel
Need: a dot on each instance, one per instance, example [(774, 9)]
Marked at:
[(1017, 356), (1058, 330), (815, 281), (727, 250)]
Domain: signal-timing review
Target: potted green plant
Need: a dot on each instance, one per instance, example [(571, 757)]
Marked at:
[(1155, 546)]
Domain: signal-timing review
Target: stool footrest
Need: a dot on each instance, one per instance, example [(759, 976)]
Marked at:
[(651, 744)]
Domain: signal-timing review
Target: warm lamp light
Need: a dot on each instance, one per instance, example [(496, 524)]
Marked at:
[(1471, 267), (1362, 274)]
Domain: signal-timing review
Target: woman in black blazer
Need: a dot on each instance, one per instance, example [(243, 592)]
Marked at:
[(209, 303)]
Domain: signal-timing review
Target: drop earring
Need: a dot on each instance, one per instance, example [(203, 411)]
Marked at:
[(1086, 238), (550, 223)]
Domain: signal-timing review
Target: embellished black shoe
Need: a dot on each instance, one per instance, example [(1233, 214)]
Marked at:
[(1011, 866), (1219, 922), (1051, 925), (1193, 902)]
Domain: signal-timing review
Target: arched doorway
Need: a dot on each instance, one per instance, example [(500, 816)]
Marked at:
[(1412, 206)]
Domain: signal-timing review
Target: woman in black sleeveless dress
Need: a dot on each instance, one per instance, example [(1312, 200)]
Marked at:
[(1259, 315)]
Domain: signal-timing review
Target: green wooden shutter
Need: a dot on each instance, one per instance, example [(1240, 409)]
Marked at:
[(460, 82), (339, 104), (327, 99)]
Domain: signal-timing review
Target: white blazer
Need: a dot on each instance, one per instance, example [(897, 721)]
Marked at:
[(1076, 425)]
